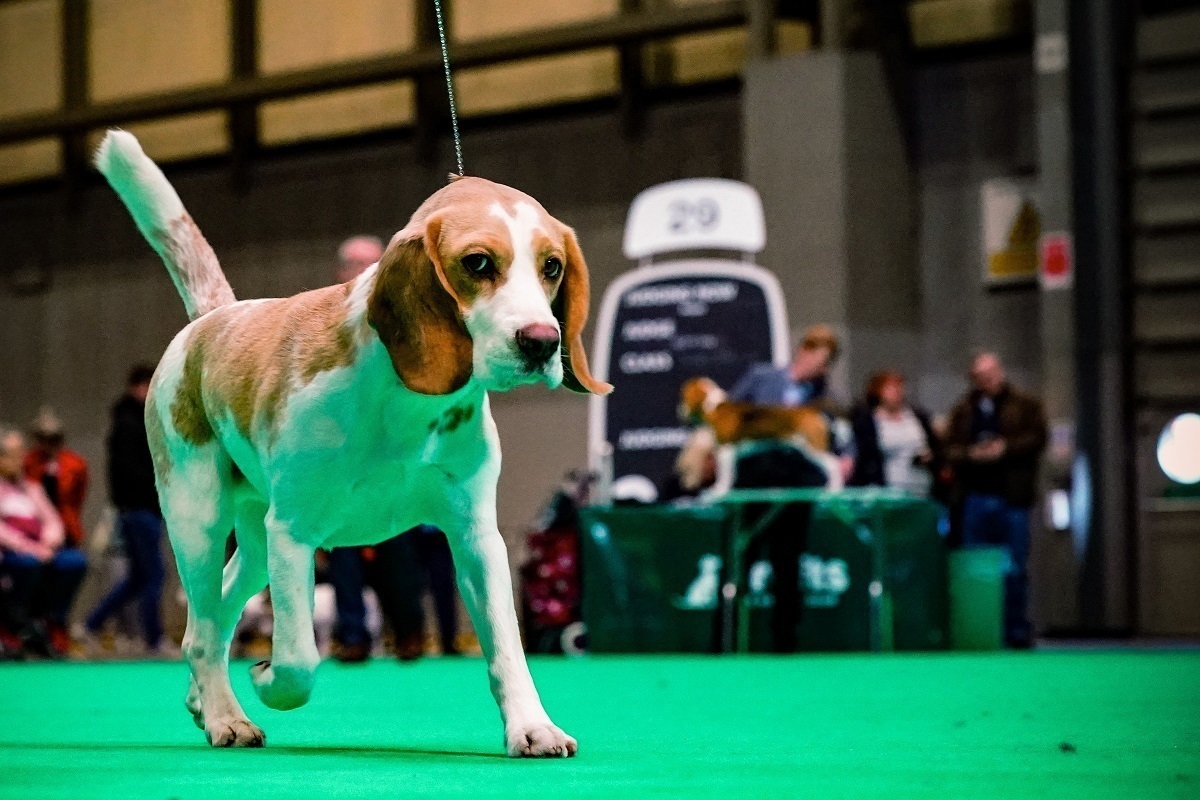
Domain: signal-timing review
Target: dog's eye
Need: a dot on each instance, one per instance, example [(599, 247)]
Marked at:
[(552, 268), (478, 264)]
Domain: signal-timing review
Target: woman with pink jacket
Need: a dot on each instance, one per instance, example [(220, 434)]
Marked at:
[(43, 577)]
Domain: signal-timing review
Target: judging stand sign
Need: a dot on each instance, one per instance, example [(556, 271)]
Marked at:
[(666, 322)]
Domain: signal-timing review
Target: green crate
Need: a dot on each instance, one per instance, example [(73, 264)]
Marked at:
[(873, 576), (977, 598), (652, 577)]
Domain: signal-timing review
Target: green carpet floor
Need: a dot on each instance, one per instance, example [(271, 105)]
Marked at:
[(1037, 725)]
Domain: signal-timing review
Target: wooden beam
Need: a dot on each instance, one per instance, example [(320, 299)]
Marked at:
[(614, 31), (431, 99), (760, 16), (243, 116), (75, 91), (633, 77)]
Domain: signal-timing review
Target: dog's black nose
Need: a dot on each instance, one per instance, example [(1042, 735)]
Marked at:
[(537, 342)]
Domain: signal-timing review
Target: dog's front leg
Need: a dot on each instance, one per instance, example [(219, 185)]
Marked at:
[(286, 681), (481, 561)]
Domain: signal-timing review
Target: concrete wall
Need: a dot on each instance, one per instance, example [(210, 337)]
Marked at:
[(824, 147), (975, 122), (109, 302)]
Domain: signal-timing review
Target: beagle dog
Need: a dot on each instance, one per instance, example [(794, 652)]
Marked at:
[(724, 424), (344, 415)]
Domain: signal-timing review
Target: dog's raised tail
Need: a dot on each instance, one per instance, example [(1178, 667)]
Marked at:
[(160, 216)]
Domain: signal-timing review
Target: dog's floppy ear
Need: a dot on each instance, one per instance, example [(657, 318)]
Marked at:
[(418, 315), (571, 308)]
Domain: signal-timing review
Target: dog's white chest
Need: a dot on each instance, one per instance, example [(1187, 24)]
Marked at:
[(366, 473)]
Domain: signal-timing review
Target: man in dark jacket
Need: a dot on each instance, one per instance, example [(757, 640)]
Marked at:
[(131, 486), (994, 441)]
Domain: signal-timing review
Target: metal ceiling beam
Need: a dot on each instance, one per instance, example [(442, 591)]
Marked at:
[(243, 117), (75, 49), (631, 64), (761, 35), (616, 30), (432, 106)]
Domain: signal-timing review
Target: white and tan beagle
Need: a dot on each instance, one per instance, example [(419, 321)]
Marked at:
[(710, 453), (345, 415)]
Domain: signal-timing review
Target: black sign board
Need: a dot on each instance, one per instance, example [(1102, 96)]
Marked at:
[(660, 326)]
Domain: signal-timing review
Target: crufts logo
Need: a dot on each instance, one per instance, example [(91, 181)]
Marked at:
[(701, 594), (824, 581)]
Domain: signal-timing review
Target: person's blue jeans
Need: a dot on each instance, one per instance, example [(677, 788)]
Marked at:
[(992, 521), (394, 577), (433, 553), (141, 533), (43, 589)]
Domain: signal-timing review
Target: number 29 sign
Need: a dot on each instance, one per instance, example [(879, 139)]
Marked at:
[(698, 214)]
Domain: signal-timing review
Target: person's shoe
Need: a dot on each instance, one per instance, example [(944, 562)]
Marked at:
[(165, 650), (59, 640), (466, 644), (89, 642), (36, 642), (351, 653), (410, 648), (10, 646)]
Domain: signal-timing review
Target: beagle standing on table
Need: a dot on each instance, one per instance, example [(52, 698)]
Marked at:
[(724, 423), (343, 415)]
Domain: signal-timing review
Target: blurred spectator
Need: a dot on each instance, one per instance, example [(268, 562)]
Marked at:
[(391, 566), (803, 382), (437, 567), (42, 577), (995, 438), (356, 254), (895, 444), (140, 523), (63, 473)]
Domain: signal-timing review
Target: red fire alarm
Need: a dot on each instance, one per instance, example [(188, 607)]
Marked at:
[(1057, 261)]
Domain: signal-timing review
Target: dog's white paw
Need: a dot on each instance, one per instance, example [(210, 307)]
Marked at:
[(234, 732), (281, 687), (541, 740)]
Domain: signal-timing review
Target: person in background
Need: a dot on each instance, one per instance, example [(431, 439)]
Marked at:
[(63, 475), (39, 572), (390, 567), (356, 254), (437, 567), (894, 442), (803, 382), (139, 519), (995, 439), (62, 472)]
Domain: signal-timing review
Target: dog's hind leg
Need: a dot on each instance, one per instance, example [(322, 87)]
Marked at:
[(244, 576), (198, 506), (246, 573), (286, 681)]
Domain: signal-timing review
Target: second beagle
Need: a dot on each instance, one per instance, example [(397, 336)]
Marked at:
[(726, 423)]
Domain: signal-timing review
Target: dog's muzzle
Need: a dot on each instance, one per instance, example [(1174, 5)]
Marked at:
[(537, 343)]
